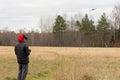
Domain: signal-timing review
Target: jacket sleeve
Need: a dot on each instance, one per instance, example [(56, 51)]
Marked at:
[(26, 50)]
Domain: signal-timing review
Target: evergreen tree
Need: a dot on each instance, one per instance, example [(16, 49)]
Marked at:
[(86, 25), (58, 29), (60, 25), (103, 30), (103, 23)]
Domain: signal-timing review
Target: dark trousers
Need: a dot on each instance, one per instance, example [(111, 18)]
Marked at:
[(23, 70)]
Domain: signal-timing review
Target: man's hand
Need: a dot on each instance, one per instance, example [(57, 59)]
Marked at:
[(25, 37), (29, 50)]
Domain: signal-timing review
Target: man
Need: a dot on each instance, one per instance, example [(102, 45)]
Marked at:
[(22, 53)]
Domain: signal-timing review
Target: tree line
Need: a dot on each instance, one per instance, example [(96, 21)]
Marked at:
[(82, 32)]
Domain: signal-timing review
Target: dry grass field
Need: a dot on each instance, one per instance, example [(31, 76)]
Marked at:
[(64, 63)]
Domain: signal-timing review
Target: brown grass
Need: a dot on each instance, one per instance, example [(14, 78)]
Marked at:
[(59, 63)]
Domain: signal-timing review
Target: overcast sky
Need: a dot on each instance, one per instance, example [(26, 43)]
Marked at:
[(20, 14)]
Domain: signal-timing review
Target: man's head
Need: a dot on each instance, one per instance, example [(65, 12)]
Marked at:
[(21, 37)]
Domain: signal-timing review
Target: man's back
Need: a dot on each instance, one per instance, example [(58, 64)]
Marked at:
[(22, 52)]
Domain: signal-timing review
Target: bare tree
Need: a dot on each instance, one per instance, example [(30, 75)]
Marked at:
[(116, 20)]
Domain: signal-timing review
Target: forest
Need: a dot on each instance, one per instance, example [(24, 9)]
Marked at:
[(76, 32)]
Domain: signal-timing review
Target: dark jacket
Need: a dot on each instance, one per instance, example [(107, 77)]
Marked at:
[(22, 51)]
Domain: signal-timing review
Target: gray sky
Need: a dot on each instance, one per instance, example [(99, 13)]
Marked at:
[(20, 14)]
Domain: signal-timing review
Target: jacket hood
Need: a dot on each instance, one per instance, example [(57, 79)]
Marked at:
[(20, 37)]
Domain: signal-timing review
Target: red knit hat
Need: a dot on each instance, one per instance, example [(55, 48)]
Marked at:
[(20, 37)]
